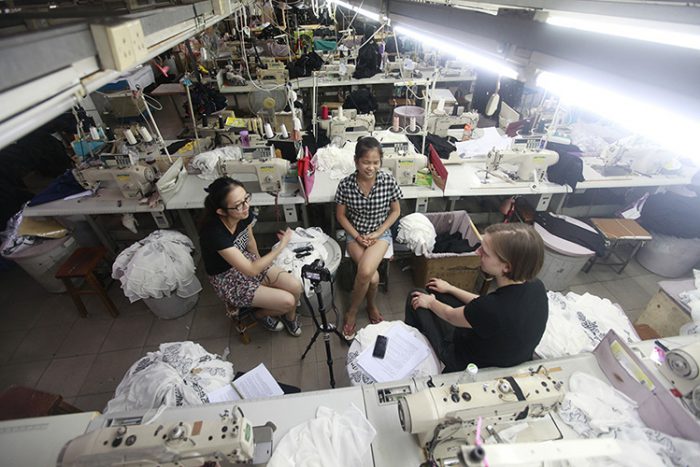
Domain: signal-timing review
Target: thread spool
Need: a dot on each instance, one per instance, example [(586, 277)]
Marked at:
[(94, 134), (441, 106), (244, 138), (412, 124), (268, 131), (283, 131), (296, 134), (145, 134), (130, 138), (340, 113), (395, 124), (324, 112)]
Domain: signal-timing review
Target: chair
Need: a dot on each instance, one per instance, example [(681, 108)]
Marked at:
[(21, 402), (243, 319), (82, 264), (383, 268)]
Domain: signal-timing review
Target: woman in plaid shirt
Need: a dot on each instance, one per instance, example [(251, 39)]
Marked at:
[(367, 205)]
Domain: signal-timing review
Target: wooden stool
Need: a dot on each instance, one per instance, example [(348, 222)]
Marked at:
[(243, 319), (617, 232), (20, 402), (81, 264)]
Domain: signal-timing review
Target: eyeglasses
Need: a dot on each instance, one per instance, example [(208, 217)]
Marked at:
[(239, 206)]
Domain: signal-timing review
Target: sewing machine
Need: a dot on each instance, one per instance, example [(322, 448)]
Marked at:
[(532, 163), (439, 122), (400, 157), (257, 173), (681, 368), (634, 154), (348, 124), (274, 73), (337, 70), (454, 409), (224, 440), (134, 181)]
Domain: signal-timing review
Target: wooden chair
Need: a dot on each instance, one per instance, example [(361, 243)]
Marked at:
[(243, 319), (21, 402), (81, 264)]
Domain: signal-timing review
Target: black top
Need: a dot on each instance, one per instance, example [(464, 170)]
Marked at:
[(507, 325), (214, 237)]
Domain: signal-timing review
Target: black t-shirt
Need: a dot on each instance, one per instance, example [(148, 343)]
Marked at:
[(214, 237), (507, 325)]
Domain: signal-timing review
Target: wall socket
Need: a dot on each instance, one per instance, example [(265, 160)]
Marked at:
[(543, 203), (422, 205), (290, 213), (120, 45)]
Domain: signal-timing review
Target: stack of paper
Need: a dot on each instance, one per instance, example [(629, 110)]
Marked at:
[(258, 383), (404, 353)]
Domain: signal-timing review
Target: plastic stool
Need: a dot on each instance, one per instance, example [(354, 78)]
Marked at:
[(81, 264)]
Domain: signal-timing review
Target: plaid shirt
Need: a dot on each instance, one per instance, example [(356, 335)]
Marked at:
[(367, 213)]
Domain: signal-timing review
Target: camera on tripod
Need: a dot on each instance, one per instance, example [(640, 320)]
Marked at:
[(316, 272)]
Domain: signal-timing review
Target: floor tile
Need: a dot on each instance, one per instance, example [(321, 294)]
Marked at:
[(340, 374), (22, 374), (247, 356), (286, 350), (207, 297), (93, 402), (19, 315), (86, 337), (9, 341), (65, 376), (58, 309), (170, 330), (339, 348), (41, 343), (649, 282), (629, 293), (108, 369), (303, 375), (633, 315), (210, 321), (128, 332)]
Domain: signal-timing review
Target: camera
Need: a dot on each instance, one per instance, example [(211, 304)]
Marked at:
[(316, 272)]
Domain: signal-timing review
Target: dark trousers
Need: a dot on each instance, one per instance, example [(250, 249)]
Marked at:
[(438, 331)]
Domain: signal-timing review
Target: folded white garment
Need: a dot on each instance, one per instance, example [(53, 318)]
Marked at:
[(208, 161), (331, 439), (418, 233)]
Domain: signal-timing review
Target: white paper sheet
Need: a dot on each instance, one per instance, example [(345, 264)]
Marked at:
[(404, 353), (258, 383), (223, 394), (481, 146)]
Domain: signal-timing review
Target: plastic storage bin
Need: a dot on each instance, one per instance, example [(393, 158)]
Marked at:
[(462, 270), (43, 260), (562, 259), (174, 306), (669, 256)]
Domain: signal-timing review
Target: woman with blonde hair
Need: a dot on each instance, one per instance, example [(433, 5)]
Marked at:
[(499, 329)]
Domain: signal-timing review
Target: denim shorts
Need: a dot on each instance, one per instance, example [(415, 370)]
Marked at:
[(386, 236)]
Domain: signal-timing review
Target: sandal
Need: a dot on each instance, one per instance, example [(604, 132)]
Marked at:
[(376, 320), (349, 331)]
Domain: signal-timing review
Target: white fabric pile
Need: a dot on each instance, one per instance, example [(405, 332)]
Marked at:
[(577, 323), (692, 299), (594, 409), (157, 266), (338, 162), (288, 261), (332, 438), (178, 374), (418, 233), (207, 162)]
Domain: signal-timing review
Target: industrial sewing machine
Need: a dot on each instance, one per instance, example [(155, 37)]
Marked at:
[(274, 73), (438, 122), (681, 368), (634, 154), (348, 124), (191, 441), (400, 157), (133, 180), (337, 70), (258, 170), (443, 418), (532, 163)]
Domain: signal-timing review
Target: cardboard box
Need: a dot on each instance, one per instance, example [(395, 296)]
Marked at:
[(459, 269)]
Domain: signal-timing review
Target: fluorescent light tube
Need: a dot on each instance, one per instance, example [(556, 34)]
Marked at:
[(672, 130), (639, 30), (366, 13), (472, 57)]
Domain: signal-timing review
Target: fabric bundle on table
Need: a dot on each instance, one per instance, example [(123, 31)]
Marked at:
[(595, 409), (177, 374), (207, 162), (417, 232), (577, 323), (157, 266), (338, 162)]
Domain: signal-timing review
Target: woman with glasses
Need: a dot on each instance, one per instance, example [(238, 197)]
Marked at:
[(240, 276)]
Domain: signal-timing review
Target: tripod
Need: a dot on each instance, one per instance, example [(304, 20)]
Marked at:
[(323, 327)]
